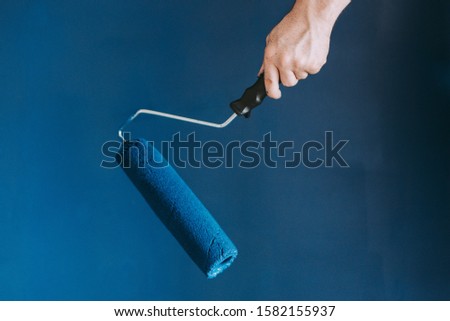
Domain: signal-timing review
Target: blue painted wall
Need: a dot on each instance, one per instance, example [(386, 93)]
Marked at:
[(71, 72)]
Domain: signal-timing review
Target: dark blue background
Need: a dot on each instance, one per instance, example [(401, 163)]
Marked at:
[(71, 72)]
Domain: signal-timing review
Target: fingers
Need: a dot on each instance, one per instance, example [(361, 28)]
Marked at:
[(300, 75), (273, 76), (288, 78), (271, 81)]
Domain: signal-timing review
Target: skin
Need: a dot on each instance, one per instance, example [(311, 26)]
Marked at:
[(298, 46)]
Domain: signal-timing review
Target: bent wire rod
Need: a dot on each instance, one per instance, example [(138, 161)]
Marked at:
[(172, 116)]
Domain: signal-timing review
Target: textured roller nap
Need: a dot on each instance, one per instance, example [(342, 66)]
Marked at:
[(177, 207)]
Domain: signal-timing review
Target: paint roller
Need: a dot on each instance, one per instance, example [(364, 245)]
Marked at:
[(178, 208)]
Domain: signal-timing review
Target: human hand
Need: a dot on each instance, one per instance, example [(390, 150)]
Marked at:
[(299, 44)]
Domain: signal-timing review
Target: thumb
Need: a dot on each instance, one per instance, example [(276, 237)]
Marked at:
[(261, 70)]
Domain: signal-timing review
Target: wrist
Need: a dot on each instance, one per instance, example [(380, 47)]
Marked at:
[(324, 11)]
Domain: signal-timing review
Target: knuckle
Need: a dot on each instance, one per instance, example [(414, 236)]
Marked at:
[(314, 68), (269, 53), (285, 61), (317, 65), (269, 83), (300, 64)]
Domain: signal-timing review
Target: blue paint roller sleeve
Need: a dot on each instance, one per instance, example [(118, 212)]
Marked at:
[(177, 207)]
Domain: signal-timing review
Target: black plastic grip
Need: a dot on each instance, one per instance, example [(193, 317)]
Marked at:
[(251, 98)]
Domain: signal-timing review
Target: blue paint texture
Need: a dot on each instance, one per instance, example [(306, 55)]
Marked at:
[(177, 207)]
